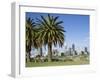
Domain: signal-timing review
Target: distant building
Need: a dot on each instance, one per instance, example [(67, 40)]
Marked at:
[(70, 52), (86, 50), (74, 52), (73, 47)]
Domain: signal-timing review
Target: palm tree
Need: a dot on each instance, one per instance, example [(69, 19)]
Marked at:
[(51, 32), (30, 37)]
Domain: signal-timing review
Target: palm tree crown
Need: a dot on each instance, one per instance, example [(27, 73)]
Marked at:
[(51, 30)]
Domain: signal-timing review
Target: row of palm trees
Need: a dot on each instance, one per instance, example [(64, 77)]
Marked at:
[(46, 31)]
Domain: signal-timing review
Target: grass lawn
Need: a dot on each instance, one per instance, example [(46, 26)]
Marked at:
[(59, 63)]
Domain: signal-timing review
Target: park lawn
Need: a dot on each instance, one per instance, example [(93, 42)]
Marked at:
[(59, 63)]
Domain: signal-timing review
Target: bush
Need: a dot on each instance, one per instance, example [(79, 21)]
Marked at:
[(62, 54)]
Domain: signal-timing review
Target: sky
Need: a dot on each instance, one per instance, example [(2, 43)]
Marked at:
[(75, 25)]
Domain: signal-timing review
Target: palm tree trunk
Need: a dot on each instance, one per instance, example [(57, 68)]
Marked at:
[(41, 51), (28, 57), (49, 52)]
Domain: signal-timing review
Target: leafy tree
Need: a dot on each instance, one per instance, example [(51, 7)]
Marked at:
[(62, 54)]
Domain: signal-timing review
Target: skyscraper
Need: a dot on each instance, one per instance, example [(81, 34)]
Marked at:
[(85, 49), (73, 47), (70, 51)]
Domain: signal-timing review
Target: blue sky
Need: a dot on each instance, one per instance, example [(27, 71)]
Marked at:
[(76, 27)]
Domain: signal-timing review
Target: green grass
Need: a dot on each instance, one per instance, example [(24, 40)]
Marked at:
[(75, 60), (59, 63)]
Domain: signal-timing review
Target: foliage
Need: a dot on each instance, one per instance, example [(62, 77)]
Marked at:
[(30, 33), (62, 54), (50, 33)]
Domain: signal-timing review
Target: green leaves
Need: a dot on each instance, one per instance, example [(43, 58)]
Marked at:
[(51, 30), (45, 31), (30, 33)]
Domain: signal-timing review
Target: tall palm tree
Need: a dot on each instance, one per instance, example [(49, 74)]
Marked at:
[(51, 32), (30, 37)]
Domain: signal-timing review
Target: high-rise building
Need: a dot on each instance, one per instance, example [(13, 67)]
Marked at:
[(70, 53), (73, 47), (85, 49)]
